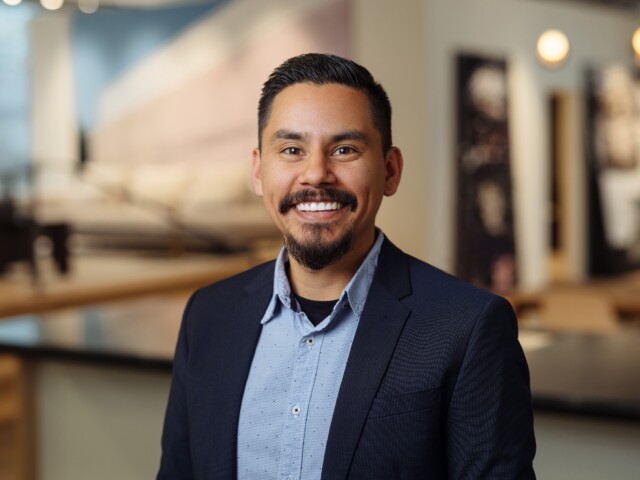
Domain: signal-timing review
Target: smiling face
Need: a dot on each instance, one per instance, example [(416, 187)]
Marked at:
[(322, 172)]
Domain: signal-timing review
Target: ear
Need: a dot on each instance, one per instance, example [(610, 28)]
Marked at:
[(394, 163), (256, 173)]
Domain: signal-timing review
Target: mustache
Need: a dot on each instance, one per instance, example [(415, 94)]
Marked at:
[(318, 195)]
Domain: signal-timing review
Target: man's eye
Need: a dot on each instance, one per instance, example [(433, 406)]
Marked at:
[(344, 150), (292, 151)]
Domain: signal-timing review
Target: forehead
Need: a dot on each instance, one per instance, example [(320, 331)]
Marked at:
[(331, 105)]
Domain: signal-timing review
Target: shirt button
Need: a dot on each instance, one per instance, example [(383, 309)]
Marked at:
[(296, 410), (311, 341)]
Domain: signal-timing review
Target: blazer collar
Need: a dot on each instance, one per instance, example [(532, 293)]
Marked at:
[(382, 322)]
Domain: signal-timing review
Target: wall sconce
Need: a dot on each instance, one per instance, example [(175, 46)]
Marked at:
[(552, 48), (635, 43)]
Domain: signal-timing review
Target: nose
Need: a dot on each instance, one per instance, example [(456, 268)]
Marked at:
[(317, 170)]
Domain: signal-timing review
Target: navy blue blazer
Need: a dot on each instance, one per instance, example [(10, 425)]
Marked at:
[(436, 385)]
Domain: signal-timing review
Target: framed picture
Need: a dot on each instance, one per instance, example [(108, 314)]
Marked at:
[(485, 238), (613, 156)]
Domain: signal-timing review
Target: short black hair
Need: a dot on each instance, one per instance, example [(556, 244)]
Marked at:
[(322, 69)]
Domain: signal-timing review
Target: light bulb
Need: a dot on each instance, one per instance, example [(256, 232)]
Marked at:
[(552, 48), (635, 42), (51, 4), (88, 6)]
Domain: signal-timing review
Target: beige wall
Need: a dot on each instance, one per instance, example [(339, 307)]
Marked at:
[(98, 422), (391, 42), (54, 140)]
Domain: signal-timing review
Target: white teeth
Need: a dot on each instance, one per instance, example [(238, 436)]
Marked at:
[(318, 206)]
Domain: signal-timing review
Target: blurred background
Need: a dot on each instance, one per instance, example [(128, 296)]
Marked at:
[(126, 128)]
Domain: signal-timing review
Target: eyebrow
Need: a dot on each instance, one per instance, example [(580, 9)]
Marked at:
[(351, 135), (284, 134)]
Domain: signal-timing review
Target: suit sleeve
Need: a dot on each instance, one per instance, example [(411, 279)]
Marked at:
[(175, 463), (490, 419)]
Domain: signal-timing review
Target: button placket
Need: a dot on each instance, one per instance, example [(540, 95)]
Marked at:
[(300, 394)]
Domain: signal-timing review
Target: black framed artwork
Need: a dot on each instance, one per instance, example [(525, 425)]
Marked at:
[(485, 244), (613, 169)]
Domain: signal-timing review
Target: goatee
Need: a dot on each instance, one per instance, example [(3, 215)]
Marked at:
[(315, 254)]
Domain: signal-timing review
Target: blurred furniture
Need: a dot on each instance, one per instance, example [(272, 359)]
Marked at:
[(111, 276), (101, 377), (597, 305), (171, 206), (16, 416), (575, 311), (107, 368), (18, 233), (585, 373)]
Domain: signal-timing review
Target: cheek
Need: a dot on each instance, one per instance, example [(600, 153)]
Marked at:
[(275, 187)]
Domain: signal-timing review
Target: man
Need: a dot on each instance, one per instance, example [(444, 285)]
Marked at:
[(344, 358)]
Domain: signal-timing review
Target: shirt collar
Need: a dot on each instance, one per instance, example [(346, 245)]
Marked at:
[(354, 294)]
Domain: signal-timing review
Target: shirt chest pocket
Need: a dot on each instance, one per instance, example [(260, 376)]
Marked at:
[(405, 403)]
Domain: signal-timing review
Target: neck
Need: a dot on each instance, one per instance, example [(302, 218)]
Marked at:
[(328, 282)]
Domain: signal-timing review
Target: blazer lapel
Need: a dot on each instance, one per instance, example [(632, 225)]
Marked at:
[(382, 321), (233, 362)]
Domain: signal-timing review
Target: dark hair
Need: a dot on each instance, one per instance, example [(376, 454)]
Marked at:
[(322, 69)]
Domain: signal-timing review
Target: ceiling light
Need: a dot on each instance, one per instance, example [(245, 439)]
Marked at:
[(12, 2), (635, 42), (51, 4), (552, 48), (88, 6)]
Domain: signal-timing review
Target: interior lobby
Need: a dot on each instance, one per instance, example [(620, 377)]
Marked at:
[(126, 132)]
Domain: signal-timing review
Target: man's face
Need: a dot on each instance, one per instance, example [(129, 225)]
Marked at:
[(322, 172)]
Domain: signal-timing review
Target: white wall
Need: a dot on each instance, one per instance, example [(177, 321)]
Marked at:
[(98, 422), (509, 28), (54, 141)]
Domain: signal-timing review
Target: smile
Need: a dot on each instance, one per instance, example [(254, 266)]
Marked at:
[(319, 206)]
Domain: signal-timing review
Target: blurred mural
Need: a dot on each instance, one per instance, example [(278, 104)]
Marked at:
[(485, 239)]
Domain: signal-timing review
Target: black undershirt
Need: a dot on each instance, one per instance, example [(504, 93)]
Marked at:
[(315, 310)]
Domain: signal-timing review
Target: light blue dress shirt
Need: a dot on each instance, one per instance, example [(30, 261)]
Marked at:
[(294, 379)]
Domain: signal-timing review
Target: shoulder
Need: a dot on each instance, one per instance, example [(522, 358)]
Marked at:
[(446, 286), (427, 282), (440, 299)]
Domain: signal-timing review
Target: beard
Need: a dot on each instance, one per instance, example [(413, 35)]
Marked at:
[(313, 253), (310, 250)]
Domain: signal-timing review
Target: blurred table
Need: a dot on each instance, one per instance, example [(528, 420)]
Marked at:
[(99, 377), (570, 371), (594, 374), (109, 276), (622, 292), (129, 333)]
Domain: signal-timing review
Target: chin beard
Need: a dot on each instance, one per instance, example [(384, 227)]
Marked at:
[(315, 254)]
